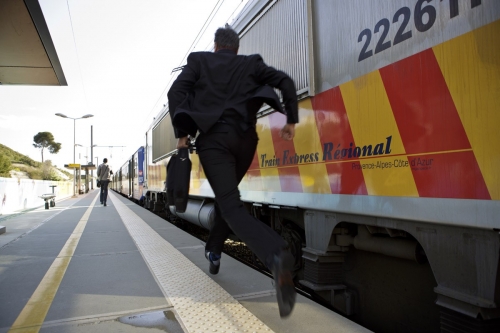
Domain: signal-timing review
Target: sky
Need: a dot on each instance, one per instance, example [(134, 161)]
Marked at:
[(117, 57)]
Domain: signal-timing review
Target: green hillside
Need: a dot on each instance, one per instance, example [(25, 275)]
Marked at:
[(15, 157), (12, 160)]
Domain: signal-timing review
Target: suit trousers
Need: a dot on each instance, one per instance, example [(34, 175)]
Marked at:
[(104, 190), (226, 154)]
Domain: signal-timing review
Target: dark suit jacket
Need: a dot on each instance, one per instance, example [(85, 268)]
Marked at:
[(215, 83)]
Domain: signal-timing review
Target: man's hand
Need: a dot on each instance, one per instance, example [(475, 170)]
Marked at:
[(288, 132), (182, 142)]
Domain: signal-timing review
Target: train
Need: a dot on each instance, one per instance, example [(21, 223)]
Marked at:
[(389, 193), (129, 178)]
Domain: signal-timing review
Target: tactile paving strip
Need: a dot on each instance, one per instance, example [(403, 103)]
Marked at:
[(203, 306)]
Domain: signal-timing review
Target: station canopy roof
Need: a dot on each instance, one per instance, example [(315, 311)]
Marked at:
[(27, 53)]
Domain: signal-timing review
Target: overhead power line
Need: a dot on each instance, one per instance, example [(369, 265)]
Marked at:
[(227, 20), (204, 27)]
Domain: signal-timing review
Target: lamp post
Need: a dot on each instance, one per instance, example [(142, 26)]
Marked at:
[(92, 159), (74, 144)]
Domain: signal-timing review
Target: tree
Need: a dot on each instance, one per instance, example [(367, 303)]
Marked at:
[(46, 140), (5, 165)]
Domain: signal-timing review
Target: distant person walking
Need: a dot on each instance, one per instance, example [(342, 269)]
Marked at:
[(103, 175)]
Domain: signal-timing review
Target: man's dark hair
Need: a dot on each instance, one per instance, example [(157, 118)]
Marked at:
[(227, 38), (105, 160)]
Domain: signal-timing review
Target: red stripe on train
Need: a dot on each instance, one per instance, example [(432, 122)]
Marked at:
[(255, 161), (428, 121), (333, 126), (449, 175), (427, 118)]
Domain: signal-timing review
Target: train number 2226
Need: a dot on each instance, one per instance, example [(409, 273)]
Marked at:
[(421, 9)]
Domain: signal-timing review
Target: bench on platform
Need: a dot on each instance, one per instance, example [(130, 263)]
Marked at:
[(49, 198)]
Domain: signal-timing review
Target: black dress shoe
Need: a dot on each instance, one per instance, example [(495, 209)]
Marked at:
[(214, 264), (104, 204), (283, 282)]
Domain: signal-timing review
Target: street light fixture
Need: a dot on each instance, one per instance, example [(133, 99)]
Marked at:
[(74, 143)]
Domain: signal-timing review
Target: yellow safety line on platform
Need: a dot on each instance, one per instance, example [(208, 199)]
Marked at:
[(33, 315), (201, 305)]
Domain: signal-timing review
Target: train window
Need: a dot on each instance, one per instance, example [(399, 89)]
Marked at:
[(164, 141)]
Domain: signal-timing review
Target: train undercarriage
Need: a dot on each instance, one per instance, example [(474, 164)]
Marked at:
[(386, 274)]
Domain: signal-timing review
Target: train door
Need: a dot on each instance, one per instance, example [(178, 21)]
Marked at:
[(134, 176), (119, 178), (138, 174), (130, 177)]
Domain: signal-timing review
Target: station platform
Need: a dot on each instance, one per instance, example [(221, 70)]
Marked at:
[(83, 267)]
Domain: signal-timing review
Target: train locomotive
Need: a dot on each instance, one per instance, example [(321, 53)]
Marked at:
[(389, 193)]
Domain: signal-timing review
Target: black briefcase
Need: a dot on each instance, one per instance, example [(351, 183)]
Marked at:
[(178, 177), (169, 183)]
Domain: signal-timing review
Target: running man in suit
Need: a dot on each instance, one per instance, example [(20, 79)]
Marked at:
[(218, 94)]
